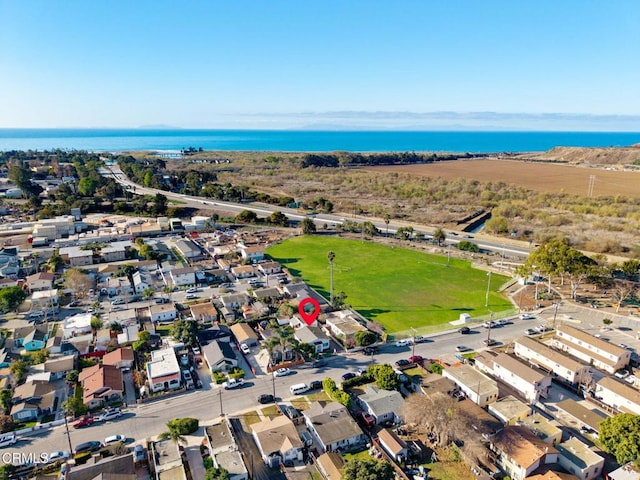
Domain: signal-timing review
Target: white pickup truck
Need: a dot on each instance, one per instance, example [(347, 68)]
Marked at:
[(233, 383)]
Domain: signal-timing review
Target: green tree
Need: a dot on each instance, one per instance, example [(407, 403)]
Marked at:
[(630, 268), (87, 186), (620, 436), (20, 175), (6, 424), (74, 406), (365, 338), (404, 233), (385, 377), (497, 225), (387, 219), (159, 204), (116, 327), (96, 324), (331, 256), (148, 293), (307, 226), (177, 428), (368, 469), (439, 236), (71, 378), (467, 246), (127, 270), (277, 218), (214, 473), (147, 252), (185, 331), (5, 400), (247, 216), (11, 298), (19, 369)]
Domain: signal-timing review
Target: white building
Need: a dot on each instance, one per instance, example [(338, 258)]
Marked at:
[(76, 256), (555, 362), (163, 371), (163, 313), (595, 351), (618, 395), (183, 276), (478, 388), (333, 427), (519, 452), (77, 325), (343, 324), (531, 383), (580, 460), (313, 336), (278, 440)]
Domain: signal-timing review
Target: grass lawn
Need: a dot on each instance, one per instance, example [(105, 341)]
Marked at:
[(270, 411), (361, 455), (320, 396), (250, 418), (449, 467), (163, 330), (300, 403), (397, 287), (415, 371)]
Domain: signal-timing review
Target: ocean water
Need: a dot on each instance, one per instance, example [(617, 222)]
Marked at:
[(114, 140)]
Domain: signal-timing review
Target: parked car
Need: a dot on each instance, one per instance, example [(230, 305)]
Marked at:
[(233, 383), (8, 439), (192, 290), (402, 343), (631, 379), (265, 398), (348, 376), (370, 350), (458, 395), (622, 374), (402, 363), (530, 331), (489, 325), (118, 301), (416, 359), (75, 303), (290, 411), (109, 414), (60, 455), (321, 362), (315, 385), (139, 453), (462, 348), (114, 439), (527, 316), (85, 421), (282, 372), (419, 339), (368, 419), (245, 348), (464, 330), (190, 296), (90, 446), (490, 341)]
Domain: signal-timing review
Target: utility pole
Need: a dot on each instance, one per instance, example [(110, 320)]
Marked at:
[(66, 426), (273, 383), (555, 313), (486, 297), (220, 396), (413, 343), (489, 329)]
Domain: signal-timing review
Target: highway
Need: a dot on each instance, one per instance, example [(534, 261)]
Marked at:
[(505, 248)]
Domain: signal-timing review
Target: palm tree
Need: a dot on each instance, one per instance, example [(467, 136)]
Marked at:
[(331, 256), (387, 219), (96, 324), (173, 433), (116, 327)]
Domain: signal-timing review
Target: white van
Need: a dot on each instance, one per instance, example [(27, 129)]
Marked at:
[(299, 388), (8, 439)]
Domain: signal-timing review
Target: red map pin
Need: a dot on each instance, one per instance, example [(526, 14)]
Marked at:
[(311, 317)]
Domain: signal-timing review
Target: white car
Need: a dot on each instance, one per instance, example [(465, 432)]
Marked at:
[(622, 374), (192, 290), (402, 343), (190, 296), (245, 348), (114, 439), (282, 372), (233, 383), (109, 415), (631, 379), (527, 316), (60, 455)]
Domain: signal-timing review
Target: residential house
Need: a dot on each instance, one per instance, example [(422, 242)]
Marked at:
[(219, 356), (531, 383), (59, 366), (313, 336), (141, 281), (204, 312), (626, 472), (129, 334), (189, 250), (44, 299), (76, 325), (32, 399), (224, 451), (300, 291), (553, 361), (595, 351), (118, 286), (167, 460), (244, 334), (163, 371), (519, 452), (40, 281), (164, 312), (100, 384), (478, 388), (124, 317), (215, 333), (252, 253), (4, 358), (618, 395), (120, 358), (330, 465), (395, 447), (576, 414), (183, 276), (542, 428), (509, 410), (270, 268), (333, 427), (268, 294), (243, 271), (278, 440), (115, 252), (8, 282), (384, 405), (35, 340), (580, 460), (552, 475), (24, 334), (76, 256), (54, 344), (343, 325), (120, 467)]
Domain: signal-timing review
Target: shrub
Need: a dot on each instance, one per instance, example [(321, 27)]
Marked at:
[(436, 368), (236, 373), (219, 377), (335, 393), (357, 381), (207, 462), (184, 426), (468, 246), (82, 458)]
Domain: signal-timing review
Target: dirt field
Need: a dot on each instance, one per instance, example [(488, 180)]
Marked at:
[(534, 176)]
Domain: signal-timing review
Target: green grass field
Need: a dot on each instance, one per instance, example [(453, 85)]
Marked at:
[(399, 288)]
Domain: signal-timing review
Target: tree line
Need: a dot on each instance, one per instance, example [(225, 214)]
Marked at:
[(339, 159)]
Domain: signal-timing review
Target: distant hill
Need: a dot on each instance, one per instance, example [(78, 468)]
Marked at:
[(590, 156)]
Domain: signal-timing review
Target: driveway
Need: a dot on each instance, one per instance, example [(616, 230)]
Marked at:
[(252, 458)]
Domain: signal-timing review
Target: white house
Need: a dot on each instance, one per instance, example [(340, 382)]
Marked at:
[(141, 281), (531, 383), (618, 395), (580, 460), (313, 336), (478, 388), (557, 363), (252, 253), (183, 276), (77, 325), (395, 447), (115, 252), (270, 267), (333, 427), (595, 351), (343, 324), (163, 313), (163, 371), (76, 256), (188, 249), (384, 405), (277, 440), (519, 452)]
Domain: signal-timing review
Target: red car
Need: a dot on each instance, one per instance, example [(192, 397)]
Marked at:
[(416, 359), (83, 422), (368, 419)]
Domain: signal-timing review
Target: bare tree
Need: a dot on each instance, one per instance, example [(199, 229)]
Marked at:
[(621, 291), (78, 281), (438, 413)]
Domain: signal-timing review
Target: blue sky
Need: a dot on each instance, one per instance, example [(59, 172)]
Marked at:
[(305, 64)]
